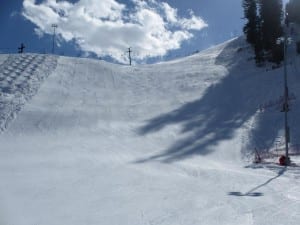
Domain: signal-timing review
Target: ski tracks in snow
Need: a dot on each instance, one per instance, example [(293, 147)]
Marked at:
[(20, 79)]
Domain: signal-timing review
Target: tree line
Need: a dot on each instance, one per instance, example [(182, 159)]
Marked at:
[(263, 28), (293, 11)]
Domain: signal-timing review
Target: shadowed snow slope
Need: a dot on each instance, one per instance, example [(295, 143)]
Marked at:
[(89, 142)]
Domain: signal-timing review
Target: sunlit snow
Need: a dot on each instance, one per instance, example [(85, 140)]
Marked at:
[(89, 142)]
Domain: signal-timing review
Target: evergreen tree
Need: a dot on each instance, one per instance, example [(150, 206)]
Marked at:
[(262, 30), (271, 17), (258, 46), (293, 9), (250, 28), (278, 53)]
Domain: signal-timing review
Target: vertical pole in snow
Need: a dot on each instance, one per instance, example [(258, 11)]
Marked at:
[(129, 55), (54, 26), (21, 49), (286, 104)]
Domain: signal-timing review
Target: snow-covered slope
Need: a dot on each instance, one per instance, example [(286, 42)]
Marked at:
[(98, 143), (20, 78)]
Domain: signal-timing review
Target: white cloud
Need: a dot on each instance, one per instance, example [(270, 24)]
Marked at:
[(107, 27), (39, 32), (171, 13), (13, 14)]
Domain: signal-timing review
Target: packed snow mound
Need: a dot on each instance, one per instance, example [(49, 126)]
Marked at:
[(89, 142), (20, 78)]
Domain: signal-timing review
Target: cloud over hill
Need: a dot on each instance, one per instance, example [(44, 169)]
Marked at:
[(108, 27)]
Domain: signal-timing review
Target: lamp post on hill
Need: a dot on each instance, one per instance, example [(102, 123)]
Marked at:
[(129, 55), (21, 48), (285, 107), (54, 27)]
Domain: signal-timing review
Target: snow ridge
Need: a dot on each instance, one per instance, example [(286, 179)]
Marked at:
[(20, 78)]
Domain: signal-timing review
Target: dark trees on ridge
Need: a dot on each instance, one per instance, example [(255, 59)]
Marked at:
[(293, 10), (263, 28), (271, 17), (250, 11)]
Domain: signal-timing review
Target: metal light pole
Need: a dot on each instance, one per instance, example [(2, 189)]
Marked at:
[(129, 55), (286, 104), (54, 27)]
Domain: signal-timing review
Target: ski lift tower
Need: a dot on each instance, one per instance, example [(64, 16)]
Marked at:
[(285, 108)]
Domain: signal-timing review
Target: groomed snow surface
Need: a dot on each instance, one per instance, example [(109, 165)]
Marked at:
[(86, 142)]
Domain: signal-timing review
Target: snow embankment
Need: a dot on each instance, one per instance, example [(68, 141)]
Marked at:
[(20, 78), (106, 144)]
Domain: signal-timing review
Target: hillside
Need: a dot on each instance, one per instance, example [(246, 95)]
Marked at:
[(89, 142)]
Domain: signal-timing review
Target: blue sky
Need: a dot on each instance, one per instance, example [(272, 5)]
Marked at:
[(155, 30)]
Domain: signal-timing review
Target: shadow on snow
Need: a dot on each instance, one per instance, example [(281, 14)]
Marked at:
[(224, 108), (253, 192)]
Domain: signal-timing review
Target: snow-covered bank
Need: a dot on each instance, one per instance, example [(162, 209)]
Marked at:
[(157, 144), (20, 78)]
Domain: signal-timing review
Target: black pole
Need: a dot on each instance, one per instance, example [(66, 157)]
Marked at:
[(286, 104), (21, 49), (129, 55), (54, 26)]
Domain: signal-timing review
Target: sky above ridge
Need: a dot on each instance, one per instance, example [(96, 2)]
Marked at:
[(155, 30)]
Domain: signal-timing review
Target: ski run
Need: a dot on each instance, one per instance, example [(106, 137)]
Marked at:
[(87, 142)]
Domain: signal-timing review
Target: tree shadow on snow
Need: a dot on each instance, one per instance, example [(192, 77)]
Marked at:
[(268, 130), (224, 108)]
